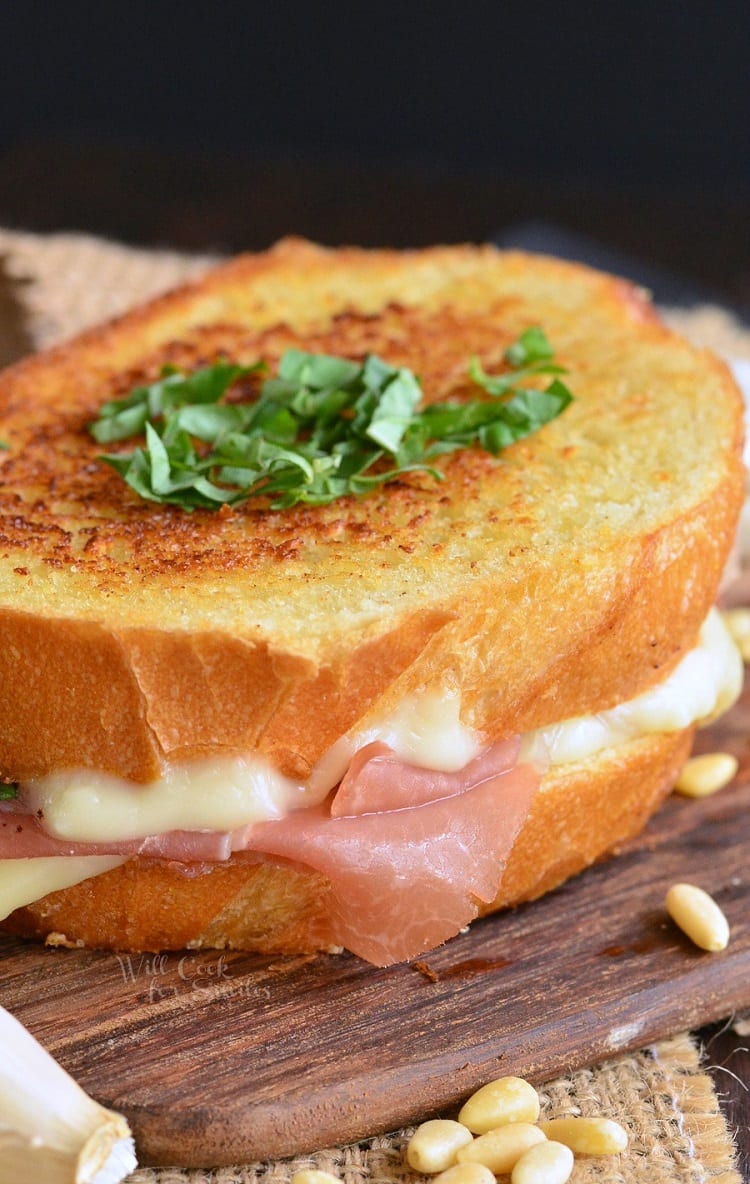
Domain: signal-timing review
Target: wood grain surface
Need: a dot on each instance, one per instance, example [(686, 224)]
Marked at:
[(220, 1058)]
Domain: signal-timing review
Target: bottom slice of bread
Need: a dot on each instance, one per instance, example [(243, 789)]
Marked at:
[(580, 812)]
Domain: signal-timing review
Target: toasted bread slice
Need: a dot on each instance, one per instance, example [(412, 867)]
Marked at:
[(565, 577)]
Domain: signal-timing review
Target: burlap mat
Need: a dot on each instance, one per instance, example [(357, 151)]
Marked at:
[(660, 1095)]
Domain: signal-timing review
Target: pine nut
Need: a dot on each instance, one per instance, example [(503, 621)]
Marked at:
[(587, 1136), (500, 1150), (737, 621), (546, 1163), (434, 1145), (314, 1176), (704, 775), (698, 915), (465, 1173), (509, 1099)]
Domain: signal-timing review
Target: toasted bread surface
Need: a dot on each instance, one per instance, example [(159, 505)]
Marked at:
[(580, 812), (564, 577)]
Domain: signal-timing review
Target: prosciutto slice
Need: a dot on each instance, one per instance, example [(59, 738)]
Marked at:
[(23, 837), (377, 780), (405, 881), (409, 852)]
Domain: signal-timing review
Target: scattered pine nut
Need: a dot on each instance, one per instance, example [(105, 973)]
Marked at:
[(587, 1136), (508, 1099), (500, 1150), (545, 1163), (314, 1176), (698, 915), (737, 621), (532, 1152), (434, 1145), (465, 1173), (704, 775)]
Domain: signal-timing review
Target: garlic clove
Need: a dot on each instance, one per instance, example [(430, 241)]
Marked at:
[(49, 1128)]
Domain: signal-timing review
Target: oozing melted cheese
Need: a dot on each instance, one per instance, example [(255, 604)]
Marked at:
[(229, 793), (221, 794), (25, 880), (701, 687), (425, 731)]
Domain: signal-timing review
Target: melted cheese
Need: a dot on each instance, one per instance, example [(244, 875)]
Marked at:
[(702, 686), (22, 881), (226, 794), (217, 795), (425, 731)]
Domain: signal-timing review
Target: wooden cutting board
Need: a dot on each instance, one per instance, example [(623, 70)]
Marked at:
[(224, 1058)]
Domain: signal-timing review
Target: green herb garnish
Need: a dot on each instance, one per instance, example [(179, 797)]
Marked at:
[(8, 792), (322, 428)]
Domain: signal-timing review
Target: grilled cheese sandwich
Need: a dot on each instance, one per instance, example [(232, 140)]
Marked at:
[(238, 672)]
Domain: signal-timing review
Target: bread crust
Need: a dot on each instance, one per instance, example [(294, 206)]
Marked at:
[(580, 813)]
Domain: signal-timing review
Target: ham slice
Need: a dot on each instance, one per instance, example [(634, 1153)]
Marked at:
[(409, 852), (377, 780), (404, 881), (22, 837)]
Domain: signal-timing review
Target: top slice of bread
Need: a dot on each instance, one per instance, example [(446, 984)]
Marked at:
[(561, 578)]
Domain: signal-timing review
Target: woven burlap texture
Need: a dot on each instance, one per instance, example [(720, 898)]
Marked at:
[(668, 1105)]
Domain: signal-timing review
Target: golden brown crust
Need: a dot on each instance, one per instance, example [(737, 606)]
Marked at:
[(564, 578), (580, 813)]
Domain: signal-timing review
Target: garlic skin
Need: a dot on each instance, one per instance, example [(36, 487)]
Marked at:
[(49, 1128)]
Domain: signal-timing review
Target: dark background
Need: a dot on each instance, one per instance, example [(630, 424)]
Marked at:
[(226, 125)]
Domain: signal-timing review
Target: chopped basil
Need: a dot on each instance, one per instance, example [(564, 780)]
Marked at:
[(322, 428), (8, 792)]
